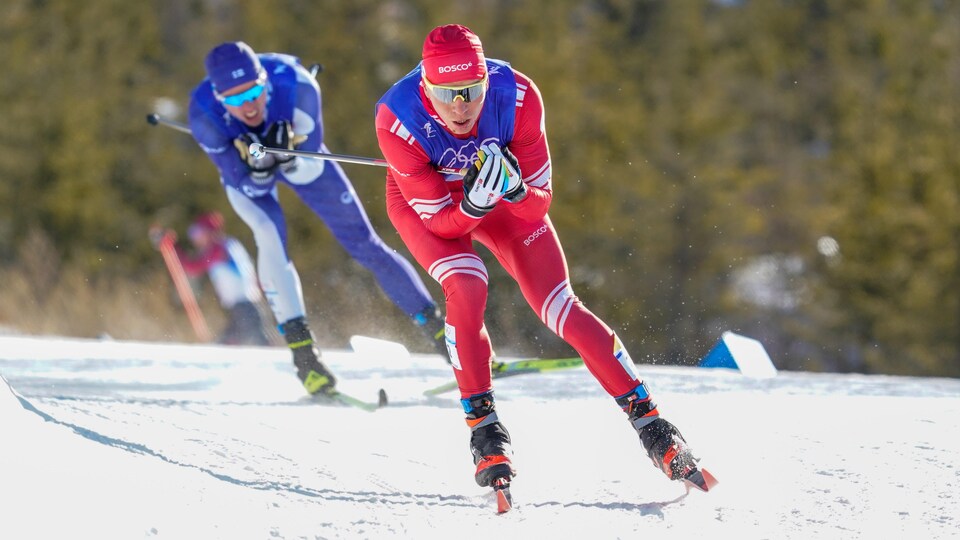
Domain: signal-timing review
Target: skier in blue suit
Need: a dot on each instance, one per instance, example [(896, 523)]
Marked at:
[(272, 99)]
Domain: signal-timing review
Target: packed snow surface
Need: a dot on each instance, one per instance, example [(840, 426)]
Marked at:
[(104, 439)]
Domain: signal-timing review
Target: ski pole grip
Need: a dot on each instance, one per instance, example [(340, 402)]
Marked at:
[(155, 119)]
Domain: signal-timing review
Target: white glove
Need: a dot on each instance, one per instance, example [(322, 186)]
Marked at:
[(516, 189), (485, 182)]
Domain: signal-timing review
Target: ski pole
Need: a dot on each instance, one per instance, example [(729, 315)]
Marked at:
[(258, 150), (155, 119), (182, 285)]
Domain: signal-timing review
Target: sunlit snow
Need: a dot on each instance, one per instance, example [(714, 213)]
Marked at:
[(141, 440)]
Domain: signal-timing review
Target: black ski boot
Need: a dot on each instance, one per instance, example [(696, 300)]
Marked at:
[(489, 440), (663, 442), (433, 327), (316, 378)]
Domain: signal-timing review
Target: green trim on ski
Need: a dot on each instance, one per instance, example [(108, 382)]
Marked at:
[(338, 397), (518, 367), (534, 365)]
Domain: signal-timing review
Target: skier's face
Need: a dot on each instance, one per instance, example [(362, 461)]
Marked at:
[(459, 114), (253, 102)]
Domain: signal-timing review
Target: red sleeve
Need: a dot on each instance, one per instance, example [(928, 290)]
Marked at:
[(197, 265), (529, 145), (424, 189)]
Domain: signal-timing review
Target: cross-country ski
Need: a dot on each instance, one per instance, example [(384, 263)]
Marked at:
[(513, 368), (344, 399)]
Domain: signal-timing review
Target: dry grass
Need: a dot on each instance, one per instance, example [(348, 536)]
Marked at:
[(74, 305), (42, 297)]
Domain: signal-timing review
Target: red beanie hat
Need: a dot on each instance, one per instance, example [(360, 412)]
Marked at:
[(453, 53)]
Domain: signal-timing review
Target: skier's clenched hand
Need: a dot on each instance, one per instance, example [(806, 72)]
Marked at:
[(261, 168)]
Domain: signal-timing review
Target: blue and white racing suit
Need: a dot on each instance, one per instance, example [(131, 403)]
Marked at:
[(293, 95)]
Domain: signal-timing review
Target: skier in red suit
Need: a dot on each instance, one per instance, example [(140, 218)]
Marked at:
[(458, 110)]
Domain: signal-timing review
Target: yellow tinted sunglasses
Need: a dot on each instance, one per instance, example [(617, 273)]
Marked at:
[(449, 94)]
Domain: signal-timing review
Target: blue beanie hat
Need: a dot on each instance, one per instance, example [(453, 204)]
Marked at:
[(232, 64)]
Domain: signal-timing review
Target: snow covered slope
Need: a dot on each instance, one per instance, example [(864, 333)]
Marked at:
[(144, 440)]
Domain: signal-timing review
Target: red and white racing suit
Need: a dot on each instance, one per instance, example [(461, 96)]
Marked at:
[(424, 206)]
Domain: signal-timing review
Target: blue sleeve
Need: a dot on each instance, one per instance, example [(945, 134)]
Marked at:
[(210, 133), (308, 119)]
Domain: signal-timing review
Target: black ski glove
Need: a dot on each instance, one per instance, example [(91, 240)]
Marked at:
[(261, 168), (280, 135)]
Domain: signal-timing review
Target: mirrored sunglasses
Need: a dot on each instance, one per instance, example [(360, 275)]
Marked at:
[(250, 94), (449, 94)]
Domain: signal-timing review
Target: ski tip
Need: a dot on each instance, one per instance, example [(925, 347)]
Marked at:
[(709, 480), (382, 398), (501, 487), (701, 479), (503, 501)]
